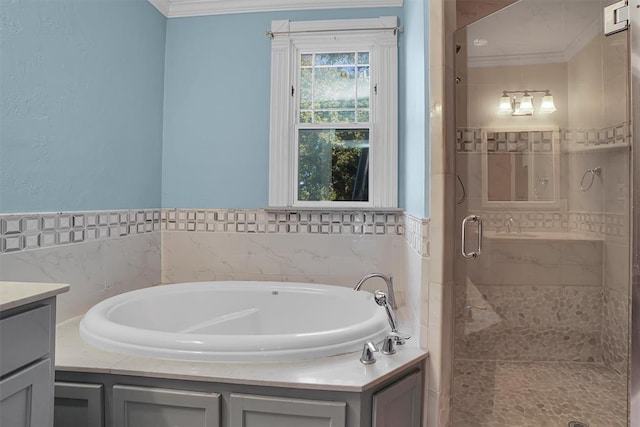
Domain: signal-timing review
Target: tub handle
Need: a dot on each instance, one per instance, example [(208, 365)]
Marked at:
[(367, 353)]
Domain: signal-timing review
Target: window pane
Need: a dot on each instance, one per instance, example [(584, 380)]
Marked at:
[(306, 59), (333, 165), (363, 87), (306, 88), (363, 116), (335, 59), (306, 116), (335, 116), (335, 87)]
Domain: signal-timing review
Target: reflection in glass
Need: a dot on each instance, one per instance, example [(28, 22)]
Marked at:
[(333, 165), (334, 87)]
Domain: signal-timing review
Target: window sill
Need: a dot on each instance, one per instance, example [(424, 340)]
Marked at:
[(329, 209)]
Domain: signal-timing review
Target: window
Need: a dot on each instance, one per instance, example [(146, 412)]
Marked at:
[(334, 113)]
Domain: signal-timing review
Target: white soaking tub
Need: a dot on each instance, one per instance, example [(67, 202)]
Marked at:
[(236, 321)]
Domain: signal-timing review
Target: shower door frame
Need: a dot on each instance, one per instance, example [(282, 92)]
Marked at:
[(634, 357)]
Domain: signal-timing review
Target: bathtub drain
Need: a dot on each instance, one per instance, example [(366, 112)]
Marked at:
[(577, 424)]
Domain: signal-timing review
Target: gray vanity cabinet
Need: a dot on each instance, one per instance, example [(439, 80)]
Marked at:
[(265, 411), (157, 407), (399, 404), (78, 405), (25, 397), (131, 401), (26, 365)]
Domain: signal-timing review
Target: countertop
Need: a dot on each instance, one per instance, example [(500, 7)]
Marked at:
[(15, 294), (337, 373)]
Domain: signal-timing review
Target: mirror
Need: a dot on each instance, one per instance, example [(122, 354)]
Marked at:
[(520, 166)]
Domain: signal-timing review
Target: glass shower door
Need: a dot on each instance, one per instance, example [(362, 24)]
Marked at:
[(543, 213)]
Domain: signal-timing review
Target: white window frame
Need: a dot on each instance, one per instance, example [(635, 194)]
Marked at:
[(374, 35)]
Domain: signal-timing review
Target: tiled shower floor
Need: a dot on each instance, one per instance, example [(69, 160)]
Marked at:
[(537, 394)]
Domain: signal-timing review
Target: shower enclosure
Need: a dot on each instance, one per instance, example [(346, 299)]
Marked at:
[(543, 263)]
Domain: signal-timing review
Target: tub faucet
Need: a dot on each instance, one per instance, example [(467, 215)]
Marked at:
[(388, 280), (397, 337)]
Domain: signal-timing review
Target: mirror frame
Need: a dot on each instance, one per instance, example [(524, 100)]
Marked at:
[(555, 153)]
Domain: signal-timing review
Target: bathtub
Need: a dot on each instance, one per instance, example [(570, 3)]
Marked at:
[(236, 321)]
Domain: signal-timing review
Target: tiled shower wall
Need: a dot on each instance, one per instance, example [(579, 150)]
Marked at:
[(576, 291), (104, 253)]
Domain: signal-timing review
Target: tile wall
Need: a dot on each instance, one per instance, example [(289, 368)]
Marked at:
[(99, 253), (104, 253)]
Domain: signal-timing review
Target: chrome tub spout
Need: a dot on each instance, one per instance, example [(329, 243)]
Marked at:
[(388, 280)]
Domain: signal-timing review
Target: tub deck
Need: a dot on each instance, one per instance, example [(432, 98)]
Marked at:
[(336, 373)]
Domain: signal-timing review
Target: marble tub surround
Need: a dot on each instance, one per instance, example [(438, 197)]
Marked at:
[(95, 269), (108, 252), (15, 294), (316, 258), (338, 373)]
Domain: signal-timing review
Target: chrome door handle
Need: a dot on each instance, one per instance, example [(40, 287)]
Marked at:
[(473, 254)]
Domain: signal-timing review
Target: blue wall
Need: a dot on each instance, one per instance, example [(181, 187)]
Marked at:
[(216, 118), (81, 90), (414, 124), (105, 104)]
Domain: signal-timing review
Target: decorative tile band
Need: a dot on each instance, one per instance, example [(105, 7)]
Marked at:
[(531, 221), (39, 230), (608, 224), (416, 234), (618, 135), (285, 221), (469, 140)]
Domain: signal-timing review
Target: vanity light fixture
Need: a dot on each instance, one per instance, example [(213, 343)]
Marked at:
[(547, 105), (524, 105)]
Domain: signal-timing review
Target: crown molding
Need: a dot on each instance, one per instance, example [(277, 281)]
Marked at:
[(184, 8)]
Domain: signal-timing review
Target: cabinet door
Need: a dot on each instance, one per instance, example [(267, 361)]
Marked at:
[(263, 411), (399, 405), (26, 398), (78, 405), (156, 407)]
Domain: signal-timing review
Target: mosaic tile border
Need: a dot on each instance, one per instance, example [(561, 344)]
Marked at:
[(526, 220), (604, 224), (29, 231), (416, 234), (39, 230), (469, 140), (347, 222), (607, 224)]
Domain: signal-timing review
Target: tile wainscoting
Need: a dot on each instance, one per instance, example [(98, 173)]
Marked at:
[(102, 253)]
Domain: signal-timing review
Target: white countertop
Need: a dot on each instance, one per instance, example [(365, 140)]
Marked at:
[(338, 373), (15, 294)]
